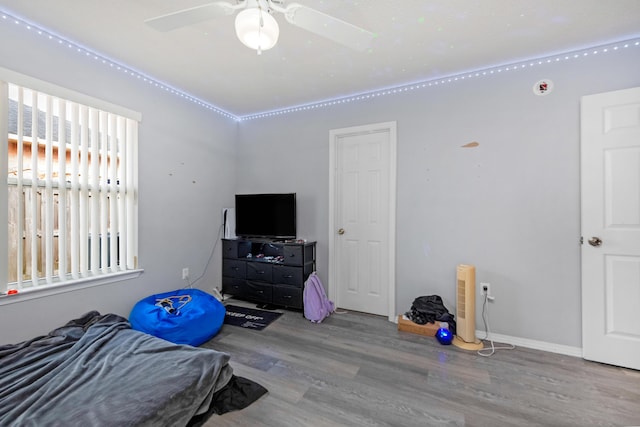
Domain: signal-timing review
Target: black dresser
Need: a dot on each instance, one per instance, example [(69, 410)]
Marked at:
[(267, 272)]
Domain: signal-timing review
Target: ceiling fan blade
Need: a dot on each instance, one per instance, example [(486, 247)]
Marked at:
[(185, 17), (329, 27)]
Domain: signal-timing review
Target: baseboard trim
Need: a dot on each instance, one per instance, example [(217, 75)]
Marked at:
[(534, 344)]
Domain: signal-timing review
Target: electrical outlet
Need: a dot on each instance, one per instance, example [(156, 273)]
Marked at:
[(485, 289), (185, 273)]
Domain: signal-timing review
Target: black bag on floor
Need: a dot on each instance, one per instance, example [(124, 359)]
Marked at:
[(431, 309)]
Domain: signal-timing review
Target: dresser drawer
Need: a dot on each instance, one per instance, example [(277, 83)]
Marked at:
[(293, 254), (259, 292), (229, 249), (287, 275), (234, 268), (235, 249), (261, 271), (235, 287), (287, 296)]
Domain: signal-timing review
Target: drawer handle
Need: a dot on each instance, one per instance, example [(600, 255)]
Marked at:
[(261, 292), (235, 268), (287, 296), (288, 276), (260, 272)]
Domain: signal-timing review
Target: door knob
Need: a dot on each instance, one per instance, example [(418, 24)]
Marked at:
[(341, 231), (595, 241)]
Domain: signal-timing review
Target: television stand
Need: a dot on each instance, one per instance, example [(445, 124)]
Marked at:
[(267, 272)]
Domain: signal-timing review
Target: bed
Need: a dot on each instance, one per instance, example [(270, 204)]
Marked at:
[(97, 371)]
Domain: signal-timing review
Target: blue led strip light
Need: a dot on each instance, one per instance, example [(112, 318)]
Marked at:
[(597, 50), (603, 49), (113, 64)]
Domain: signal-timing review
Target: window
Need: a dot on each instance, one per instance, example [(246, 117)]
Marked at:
[(71, 190)]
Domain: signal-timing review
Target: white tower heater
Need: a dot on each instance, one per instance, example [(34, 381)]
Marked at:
[(466, 309)]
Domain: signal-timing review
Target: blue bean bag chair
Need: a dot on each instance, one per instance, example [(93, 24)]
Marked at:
[(184, 316)]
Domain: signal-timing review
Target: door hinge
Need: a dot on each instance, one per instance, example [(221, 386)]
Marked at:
[(581, 240)]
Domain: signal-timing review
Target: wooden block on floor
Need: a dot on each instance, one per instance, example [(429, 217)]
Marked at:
[(428, 330)]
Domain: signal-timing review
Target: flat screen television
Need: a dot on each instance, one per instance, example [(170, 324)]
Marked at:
[(270, 216)]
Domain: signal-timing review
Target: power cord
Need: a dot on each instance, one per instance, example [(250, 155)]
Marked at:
[(489, 351), (215, 244)]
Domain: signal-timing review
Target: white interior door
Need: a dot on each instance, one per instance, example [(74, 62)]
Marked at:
[(362, 218), (610, 164)]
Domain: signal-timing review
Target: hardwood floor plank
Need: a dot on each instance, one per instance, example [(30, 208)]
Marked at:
[(303, 354), (355, 369), (360, 404)]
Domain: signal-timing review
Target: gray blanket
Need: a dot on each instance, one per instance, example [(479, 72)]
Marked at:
[(97, 371)]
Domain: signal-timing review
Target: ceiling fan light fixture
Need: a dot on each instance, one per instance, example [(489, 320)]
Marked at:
[(257, 29)]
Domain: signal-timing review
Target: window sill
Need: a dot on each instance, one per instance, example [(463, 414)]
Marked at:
[(70, 286)]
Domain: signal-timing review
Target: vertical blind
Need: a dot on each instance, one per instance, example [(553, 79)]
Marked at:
[(72, 190)]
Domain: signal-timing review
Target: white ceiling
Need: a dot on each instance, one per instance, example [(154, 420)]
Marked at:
[(416, 40)]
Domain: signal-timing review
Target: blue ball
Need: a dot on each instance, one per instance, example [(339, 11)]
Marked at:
[(444, 336)]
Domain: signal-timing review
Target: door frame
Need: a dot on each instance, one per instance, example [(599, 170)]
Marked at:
[(334, 137)]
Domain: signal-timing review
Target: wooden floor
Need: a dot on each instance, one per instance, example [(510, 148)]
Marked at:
[(358, 370)]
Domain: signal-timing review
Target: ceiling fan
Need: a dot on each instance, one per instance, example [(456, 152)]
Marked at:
[(257, 28)]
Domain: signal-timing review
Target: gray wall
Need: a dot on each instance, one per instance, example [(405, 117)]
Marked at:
[(510, 206), (186, 173)]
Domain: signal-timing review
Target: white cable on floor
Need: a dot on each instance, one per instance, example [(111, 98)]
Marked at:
[(489, 351)]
